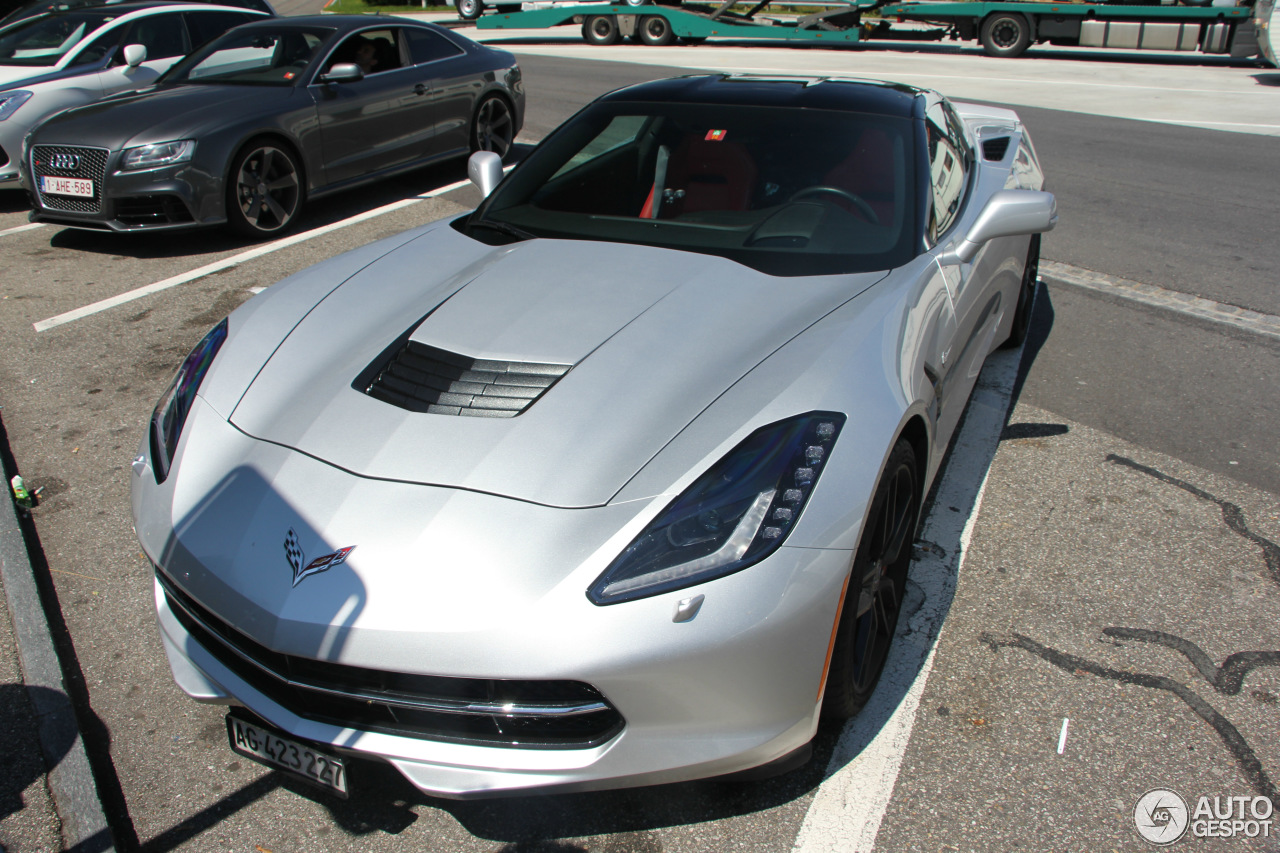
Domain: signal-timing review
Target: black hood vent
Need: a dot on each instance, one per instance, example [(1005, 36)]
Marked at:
[(422, 378), (994, 149)]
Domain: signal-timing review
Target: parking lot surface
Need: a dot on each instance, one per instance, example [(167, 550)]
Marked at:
[(1095, 598)]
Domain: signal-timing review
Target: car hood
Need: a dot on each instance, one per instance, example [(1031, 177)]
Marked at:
[(650, 336), (11, 75), (159, 114)]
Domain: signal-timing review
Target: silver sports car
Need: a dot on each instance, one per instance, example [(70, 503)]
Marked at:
[(612, 481)]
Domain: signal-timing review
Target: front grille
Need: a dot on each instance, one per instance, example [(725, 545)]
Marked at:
[(152, 210), (92, 165), (485, 711), (422, 378), (994, 149)]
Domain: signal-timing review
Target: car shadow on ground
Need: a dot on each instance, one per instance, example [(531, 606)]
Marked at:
[(1271, 78), (21, 761), (14, 201), (198, 243)]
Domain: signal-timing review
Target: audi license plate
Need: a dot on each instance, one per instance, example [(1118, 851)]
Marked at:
[(66, 186), (295, 758)]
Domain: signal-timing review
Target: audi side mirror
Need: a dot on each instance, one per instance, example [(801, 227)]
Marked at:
[(343, 72), (135, 54)]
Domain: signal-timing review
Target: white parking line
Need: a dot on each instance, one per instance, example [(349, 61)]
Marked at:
[(846, 811), (20, 228), (1160, 297), (235, 260)]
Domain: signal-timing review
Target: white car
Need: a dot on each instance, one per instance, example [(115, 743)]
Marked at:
[(64, 59)]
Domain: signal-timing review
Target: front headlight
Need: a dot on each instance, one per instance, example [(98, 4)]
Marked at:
[(171, 412), (735, 514), (10, 101), (159, 154)]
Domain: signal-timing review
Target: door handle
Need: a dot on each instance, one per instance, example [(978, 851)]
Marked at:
[(420, 89)]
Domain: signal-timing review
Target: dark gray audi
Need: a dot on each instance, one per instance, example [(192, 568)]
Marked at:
[(269, 116)]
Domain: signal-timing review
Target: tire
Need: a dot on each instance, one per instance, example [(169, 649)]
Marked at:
[(638, 2), (600, 30), (469, 10), (656, 31), (1006, 34), (877, 584), (1026, 297), (493, 128), (264, 189)]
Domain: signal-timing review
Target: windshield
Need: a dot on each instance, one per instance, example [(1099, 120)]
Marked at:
[(43, 41), (257, 57), (785, 191)]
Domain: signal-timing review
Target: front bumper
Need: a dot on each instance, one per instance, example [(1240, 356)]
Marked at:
[(168, 198), (434, 595)]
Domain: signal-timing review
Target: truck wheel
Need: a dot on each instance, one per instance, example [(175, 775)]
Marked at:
[(655, 31), (469, 10), (1005, 34), (637, 2), (600, 29)]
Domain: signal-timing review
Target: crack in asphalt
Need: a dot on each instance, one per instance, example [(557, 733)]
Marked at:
[(1226, 679), (1232, 671), (1232, 515)]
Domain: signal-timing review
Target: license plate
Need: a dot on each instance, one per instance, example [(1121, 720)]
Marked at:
[(67, 186), (297, 759)]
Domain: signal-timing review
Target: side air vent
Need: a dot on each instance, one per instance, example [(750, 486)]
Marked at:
[(995, 149), (421, 378)]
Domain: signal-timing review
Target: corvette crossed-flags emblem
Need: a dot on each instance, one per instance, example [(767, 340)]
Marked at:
[(293, 553)]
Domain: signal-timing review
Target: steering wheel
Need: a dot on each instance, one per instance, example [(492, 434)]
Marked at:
[(856, 200)]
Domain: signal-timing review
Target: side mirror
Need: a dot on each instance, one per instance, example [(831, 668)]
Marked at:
[(135, 54), (1009, 213), (343, 72), (485, 171)]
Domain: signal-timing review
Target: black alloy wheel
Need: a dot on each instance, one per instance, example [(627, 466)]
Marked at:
[(264, 193), (877, 585), (656, 31), (600, 30), (494, 127), (1006, 34), (1026, 296), (469, 10)]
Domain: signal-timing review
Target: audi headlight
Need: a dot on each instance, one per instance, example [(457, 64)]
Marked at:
[(175, 403), (10, 101), (735, 514), (159, 154)]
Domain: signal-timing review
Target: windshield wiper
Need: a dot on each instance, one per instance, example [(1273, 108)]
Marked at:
[(502, 227)]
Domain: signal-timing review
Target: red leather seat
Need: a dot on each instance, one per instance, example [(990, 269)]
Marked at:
[(868, 172), (713, 175)]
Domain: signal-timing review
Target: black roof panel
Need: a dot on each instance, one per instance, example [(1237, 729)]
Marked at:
[(821, 93)]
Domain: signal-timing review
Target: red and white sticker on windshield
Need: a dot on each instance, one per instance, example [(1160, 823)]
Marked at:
[(716, 135)]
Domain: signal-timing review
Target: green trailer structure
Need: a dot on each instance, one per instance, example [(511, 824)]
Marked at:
[(1004, 28), (1009, 28), (661, 25)]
